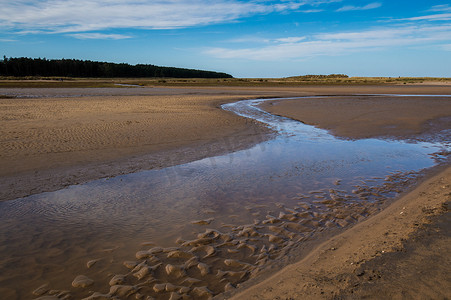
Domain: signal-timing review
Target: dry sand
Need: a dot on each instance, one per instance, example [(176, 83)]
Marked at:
[(48, 143)]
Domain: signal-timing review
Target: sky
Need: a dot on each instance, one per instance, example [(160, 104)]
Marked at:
[(247, 39)]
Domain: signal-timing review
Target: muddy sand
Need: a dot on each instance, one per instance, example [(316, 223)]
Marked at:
[(59, 139)]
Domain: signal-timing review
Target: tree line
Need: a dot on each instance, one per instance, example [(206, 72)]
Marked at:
[(23, 66)]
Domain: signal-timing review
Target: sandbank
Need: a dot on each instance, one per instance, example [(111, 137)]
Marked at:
[(357, 117)]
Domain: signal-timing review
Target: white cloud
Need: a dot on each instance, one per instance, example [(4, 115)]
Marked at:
[(435, 17), (252, 39), (249, 39), (99, 36), (366, 7), (442, 8), (290, 40), (334, 44), (75, 16), (309, 11), (7, 40), (378, 34)]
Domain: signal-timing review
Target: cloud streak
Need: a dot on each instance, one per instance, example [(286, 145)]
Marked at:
[(441, 8), (335, 44), (366, 7), (434, 17), (99, 36), (74, 16)]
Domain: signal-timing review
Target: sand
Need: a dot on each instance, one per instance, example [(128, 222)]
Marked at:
[(52, 141), (334, 269), (357, 117), (48, 143), (384, 257), (51, 138)]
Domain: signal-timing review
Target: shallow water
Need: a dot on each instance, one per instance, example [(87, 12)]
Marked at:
[(50, 237)]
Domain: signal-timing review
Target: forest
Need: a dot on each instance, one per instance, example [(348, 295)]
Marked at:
[(23, 66)]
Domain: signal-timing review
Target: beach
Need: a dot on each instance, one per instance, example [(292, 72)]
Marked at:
[(60, 138), (49, 143), (52, 137)]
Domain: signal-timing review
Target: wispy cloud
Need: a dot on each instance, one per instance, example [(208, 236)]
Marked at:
[(442, 8), (249, 39), (309, 11), (434, 17), (99, 36), (76, 16), (252, 39), (366, 7), (8, 40), (335, 44), (289, 40)]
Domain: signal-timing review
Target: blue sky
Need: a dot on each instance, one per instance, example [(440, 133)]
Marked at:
[(260, 38)]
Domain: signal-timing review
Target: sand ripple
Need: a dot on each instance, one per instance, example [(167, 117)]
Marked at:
[(218, 261)]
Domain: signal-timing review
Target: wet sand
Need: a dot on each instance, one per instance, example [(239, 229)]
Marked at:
[(385, 256), (358, 263), (121, 147), (358, 117)]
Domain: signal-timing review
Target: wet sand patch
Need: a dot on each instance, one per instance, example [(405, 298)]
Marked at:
[(357, 117), (333, 269), (220, 260)]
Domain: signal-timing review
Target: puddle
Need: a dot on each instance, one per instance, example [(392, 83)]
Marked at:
[(258, 202)]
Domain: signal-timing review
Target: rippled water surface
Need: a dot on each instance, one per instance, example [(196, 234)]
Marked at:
[(50, 237)]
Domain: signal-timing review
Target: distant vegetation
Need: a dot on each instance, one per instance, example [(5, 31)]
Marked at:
[(22, 67), (123, 78), (317, 77), (43, 82)]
